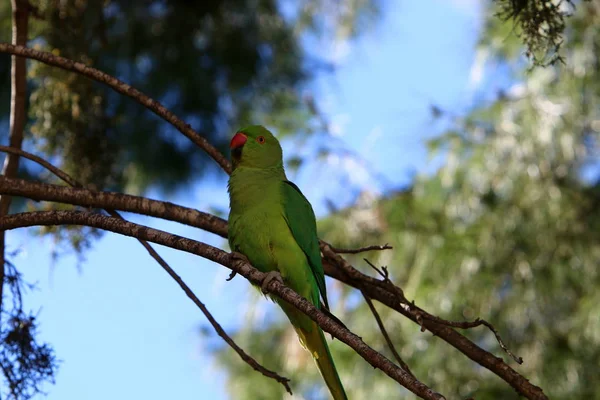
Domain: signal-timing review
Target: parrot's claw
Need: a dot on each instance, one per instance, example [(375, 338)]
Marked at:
[(231, 276), (239, 257), (271, 275)]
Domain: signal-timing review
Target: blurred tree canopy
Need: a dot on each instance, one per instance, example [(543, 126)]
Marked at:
[(507, 230), (216, 64)]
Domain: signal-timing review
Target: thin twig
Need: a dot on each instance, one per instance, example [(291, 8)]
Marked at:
[(384, 275), (385, 334), (39, 160), (422, 314), (472, 324), (362, 249), (125, 89), (18, 113), (217, 327), (376, 359), (342, 263), (161, 261)]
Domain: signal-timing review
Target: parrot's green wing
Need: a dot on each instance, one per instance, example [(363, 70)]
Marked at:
[(300, 218)]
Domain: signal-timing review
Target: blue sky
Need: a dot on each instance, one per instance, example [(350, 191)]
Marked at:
[(123, 329)]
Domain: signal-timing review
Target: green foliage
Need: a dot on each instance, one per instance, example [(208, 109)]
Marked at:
[(220, 56), (507, 230), (217, 64), (540, 24)]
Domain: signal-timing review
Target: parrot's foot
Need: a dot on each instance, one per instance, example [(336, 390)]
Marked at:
[(271, 275), (239, 256), (236, 257)]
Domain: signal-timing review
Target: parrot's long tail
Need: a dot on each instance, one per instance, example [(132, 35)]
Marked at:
[(315, 342)]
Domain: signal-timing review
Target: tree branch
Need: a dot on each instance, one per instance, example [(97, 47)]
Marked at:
[(468, 325), (123, 88), (377, 360), (115, 201), (421, 314), (335, 266), (161, 261), (18, 95), (392, 296), (39, 160), (362, 249)]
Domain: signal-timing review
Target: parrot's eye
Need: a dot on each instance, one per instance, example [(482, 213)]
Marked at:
[(261, 139)]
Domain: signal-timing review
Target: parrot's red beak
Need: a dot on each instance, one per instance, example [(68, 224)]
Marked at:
[(237, 145), (238, 140)]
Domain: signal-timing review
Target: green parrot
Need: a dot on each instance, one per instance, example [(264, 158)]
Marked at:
[(273, 225)]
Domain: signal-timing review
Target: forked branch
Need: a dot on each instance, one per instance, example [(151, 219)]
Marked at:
[(377, 360), (335, 265), (391, 295)]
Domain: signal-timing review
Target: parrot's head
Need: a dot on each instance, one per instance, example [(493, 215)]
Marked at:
[(255, 147)]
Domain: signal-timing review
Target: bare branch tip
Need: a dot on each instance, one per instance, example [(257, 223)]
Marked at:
[(386, 336), (361, 249), (382, 274)]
